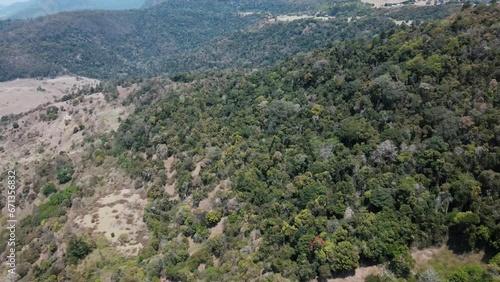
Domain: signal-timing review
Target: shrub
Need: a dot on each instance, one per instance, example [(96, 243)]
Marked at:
[(213, 218), (79, 248), (64, 174), (52, 113), (471, 273), (52, 248), (49, 189)]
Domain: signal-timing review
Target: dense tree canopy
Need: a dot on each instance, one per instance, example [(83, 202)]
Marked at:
[(346, 155)]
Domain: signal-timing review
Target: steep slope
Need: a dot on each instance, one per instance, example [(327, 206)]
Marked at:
[(336, 158), (111, 44), (68, 191)]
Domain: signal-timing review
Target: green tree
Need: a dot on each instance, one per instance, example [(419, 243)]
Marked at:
[(64, 174), (402, 263), (344, 256), (79, 248), (49, 189), (213, 217)]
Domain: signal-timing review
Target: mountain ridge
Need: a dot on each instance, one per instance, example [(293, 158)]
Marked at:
[(38, 8)]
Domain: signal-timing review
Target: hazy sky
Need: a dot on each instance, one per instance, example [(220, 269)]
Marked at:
[(7, 2)]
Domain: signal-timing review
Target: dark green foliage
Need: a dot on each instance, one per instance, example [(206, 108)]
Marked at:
[(78, 248), (49, 189), (402, 263), (64, 174), (345, 257), (472, 273), (52, 113), (381, 198)]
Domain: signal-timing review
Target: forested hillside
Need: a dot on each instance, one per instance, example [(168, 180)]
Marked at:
[(328, 161), (175, 37), (299, 165), (271, 43)]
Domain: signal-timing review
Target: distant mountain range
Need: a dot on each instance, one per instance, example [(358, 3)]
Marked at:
[(37, 8)]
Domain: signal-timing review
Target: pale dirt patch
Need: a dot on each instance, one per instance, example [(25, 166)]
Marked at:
[(130, 250), (168, 167), (407, 22), (218, 229), (117, 215), (381, 3), (22, 145), (197, 169), (193, 246), (360, 274), (206, 204), (21, 95), (424, 2), (244, 14), (216, 261), (291, 18), (423, 256), (124, 92), (94, 114), (106, 116), (170, 186), (23, 151)]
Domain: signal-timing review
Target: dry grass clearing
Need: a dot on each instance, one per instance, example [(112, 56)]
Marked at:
[(443, 260), (360, 274), (381, 3), (116, 206), (21, 95)]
